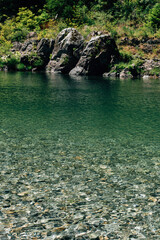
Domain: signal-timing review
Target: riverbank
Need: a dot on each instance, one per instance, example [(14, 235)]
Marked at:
[(97, 54)]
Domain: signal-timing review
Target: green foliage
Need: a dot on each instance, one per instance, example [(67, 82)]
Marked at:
[(129, 19), (16, 29), (61, 8), (11, 7), (42, 17), (114, 33), (21, 67), (154, 16), (80, 15), (31, 21), (28, 68), (33, 60), (71, 11), (13, 31), (125, 57), (155, 71), (38, 62), (26, 18), (5, 46), (10, 61), (65, 60), (132, 9), (133, 66), (104, 4)]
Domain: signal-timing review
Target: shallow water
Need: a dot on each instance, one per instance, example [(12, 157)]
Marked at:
[(79, 157)]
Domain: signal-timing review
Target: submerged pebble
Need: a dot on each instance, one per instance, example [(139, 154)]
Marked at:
[(68, 197), (79, 158)]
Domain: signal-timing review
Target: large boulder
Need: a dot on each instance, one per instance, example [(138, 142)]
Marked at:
[(45, 48), (67, 49), (36, 53), (99, 52)]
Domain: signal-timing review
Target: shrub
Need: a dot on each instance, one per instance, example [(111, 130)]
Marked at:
[(61, 8), (155, 71), (27, 18), (125, 56), (21, 67), (38, 62), (154, 16), (12, 62)]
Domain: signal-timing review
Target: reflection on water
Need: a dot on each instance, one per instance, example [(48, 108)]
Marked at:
[(79, 157)]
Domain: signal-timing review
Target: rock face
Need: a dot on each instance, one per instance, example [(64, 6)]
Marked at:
[(96, 56), (35, 53), (45, 48), (29, 45), (66, 52)]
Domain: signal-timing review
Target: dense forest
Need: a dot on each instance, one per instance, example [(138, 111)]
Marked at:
[(123, 19), (19, 17)]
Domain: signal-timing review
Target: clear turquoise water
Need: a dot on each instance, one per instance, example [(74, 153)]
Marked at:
[(93, 139)]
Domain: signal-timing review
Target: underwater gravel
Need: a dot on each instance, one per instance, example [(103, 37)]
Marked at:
[(55, 188)]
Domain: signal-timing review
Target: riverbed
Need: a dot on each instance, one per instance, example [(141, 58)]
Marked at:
[(79, 157)]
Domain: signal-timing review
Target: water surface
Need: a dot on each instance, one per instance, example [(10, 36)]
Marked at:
[(79, 157)]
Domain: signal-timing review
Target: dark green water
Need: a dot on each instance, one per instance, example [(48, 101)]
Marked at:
[(88, 148)]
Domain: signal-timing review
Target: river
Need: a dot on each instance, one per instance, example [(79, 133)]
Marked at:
[(79, 157)]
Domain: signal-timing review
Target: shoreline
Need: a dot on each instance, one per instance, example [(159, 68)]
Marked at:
[(69, 53)]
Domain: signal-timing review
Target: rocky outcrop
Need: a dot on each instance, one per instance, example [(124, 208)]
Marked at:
[(97, 55), (151, 64), (99, 52), (29, 45), (45, 48), (147, 69), (151, 68), (67, 50), (34, 53)]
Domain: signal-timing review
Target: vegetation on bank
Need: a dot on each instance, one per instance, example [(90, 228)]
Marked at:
[(125, 20)]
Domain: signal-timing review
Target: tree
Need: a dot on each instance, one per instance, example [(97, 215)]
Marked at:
[(154, 16), (11, 7)]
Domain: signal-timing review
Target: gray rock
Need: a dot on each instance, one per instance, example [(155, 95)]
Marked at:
[(32, 35), (96, 56), (151, 68), (51, 66), (45, 48), (39, 51), (45, 45), (94, 34), (29, 45), (66, 52), (111, 75), (146, 77), (16, 46), (150, 64), (125, 74), (153, 41)]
